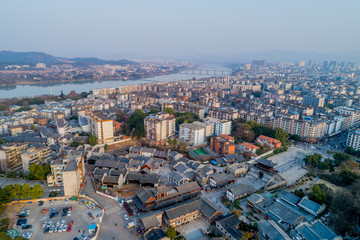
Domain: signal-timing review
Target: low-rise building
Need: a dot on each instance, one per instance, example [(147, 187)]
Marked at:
[(248, 147), (271, 142), (239, 191), (181, 214), (229, 227)]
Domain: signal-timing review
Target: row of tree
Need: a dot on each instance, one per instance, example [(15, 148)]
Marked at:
[(249, 131)]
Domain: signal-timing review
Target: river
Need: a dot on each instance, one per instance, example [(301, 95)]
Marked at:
[(21, 91)]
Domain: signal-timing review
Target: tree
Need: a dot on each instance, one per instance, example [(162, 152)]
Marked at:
[(135, 124), (2, 141), (281, 135), (171, 232), (153, 111), (36, 192), (37, 172), (106, 147), (345, 207), (92, 140), (244, 132), (120, 116), (75, 144), (319, 193), (169, 110), (340, 157), (300, 193), (295, 137)]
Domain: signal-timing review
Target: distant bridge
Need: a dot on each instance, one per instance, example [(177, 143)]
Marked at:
[(207, 72)]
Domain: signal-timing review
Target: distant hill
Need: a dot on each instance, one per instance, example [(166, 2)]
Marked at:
[(32, 58)]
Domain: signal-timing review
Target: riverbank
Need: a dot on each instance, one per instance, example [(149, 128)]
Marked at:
[(59, 81), (86, 85)]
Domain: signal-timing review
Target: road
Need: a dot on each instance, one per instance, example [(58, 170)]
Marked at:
[(113, 215)]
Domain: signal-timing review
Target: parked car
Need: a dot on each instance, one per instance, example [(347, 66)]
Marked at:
[(52, 201), (83, 237), (44, 210), (26, 227), (66, 200), (68, 229), (126, 217), (46, 230), (27, 234), (51, 229), (49, 224), (41, 203), (62, 222), (57, 223), (71, 223), (64, 228), (44, 225), (69, 213)]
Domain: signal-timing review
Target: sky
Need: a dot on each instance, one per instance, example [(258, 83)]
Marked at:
[(145, 28)]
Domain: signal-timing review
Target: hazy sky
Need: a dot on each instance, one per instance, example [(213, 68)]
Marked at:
[(110, 28)]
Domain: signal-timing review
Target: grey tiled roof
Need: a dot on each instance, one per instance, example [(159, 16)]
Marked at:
[(207, 208), (289, 197)]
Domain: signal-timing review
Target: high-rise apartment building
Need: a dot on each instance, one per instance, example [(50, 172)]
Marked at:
[(101, 126), (10, 156), (314, 100), (159, 127), (353, 139), (191, 134), (35, 155)]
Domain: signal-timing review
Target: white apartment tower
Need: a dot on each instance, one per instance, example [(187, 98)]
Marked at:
[(159, 127)]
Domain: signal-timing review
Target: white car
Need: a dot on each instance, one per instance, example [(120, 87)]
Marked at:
[(52, 201), (58, 223), (49, 224), (62, 222), (66, 200), (69, 213), (44, 225), (83, 237), (56, 229), (27, 235), (126, 217), (64, 228), (51, 229)]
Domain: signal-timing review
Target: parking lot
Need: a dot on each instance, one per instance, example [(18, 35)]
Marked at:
[(79, 215)]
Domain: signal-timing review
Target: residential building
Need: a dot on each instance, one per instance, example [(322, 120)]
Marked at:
[(10, 156), (271, 142), (159, 127), (73, 175), (353, 139), (239, 191), (101, 126), (314, 100), (248, 147), (35, 155), (191, 134), (223, 144), (223, 113)]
